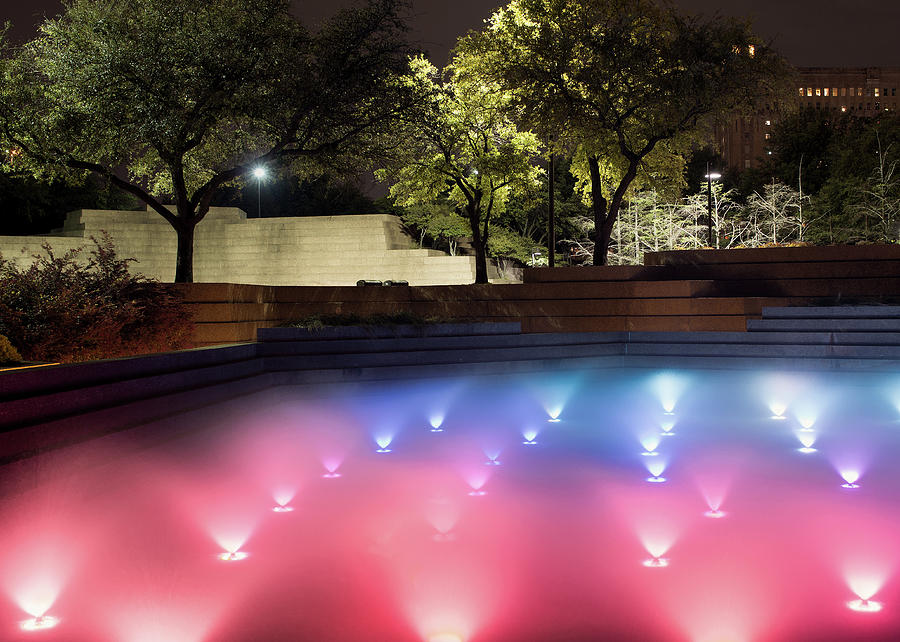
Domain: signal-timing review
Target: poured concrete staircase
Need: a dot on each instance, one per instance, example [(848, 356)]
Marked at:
[(816, 337), (231, 248)]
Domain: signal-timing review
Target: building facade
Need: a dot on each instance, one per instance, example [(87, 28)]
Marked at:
[(858, 91)]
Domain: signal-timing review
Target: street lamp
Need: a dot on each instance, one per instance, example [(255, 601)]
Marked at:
[(259, 173), (710, 177)]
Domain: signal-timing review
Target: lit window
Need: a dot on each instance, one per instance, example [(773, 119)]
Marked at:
[(751, 50), (843, 91), (877, 92), (746, 163), (768, 123), (818, 92), (768, 136), (834, 91), (809, 91), (801, 91), (843, 107), (826, 91), (859, 91)]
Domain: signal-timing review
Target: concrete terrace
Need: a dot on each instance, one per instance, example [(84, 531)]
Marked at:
[(229, 247)]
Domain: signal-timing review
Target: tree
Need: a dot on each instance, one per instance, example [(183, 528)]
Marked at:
[(623, 79), (171, 101), (879, 199), (465, 148), (438, 221), (774, 215)]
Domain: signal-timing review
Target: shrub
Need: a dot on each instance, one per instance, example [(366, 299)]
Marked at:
[(8, 354), (65, 309)]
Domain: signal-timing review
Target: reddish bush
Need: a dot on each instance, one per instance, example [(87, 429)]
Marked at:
[(63, 309)]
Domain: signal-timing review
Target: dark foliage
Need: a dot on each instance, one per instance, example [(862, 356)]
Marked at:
[(65, 309)]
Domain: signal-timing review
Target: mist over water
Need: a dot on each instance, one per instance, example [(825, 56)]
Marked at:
[(604, 505)]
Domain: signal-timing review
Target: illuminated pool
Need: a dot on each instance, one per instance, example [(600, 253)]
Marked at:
[(564, 506)]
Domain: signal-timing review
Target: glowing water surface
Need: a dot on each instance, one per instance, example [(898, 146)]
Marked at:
[(384, 529)]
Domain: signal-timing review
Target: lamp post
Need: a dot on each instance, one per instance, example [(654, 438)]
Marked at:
[(259, 173), (710, 177)]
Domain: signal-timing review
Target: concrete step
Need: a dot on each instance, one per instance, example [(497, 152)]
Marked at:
[(888, 324), (833, 312)]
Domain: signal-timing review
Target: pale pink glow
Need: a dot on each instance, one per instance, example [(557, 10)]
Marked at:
[(39, 623), (283, 509), (865, 584), (284, 495), (186, 618), (656, 562), (657, 543), (35, 569), (714, 473), (232, 556), (331, 464), (444, 597), (443, 514), (529, 434), (476, 478)]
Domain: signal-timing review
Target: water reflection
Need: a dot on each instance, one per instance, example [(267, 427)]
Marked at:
[(558, 540)]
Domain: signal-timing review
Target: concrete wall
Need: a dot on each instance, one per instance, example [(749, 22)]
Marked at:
[(715, 290), (229, 247)]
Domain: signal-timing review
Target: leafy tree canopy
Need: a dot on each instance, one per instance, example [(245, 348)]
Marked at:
[(171, 100), (628, 82), (463, 147)]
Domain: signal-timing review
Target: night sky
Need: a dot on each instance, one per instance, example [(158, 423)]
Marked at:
[(807, 32)]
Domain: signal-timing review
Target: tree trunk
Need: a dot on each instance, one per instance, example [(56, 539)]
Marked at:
[(479, 242), (598, 204), (184, 263)]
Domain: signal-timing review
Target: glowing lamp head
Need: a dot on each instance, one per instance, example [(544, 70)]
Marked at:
[(383, 442), (667, 427), (714, 513), (445, 637), (850, 478), (807, 439), (778, 409), (656, 562), (650, 444), (437, 423), (806, 422), (492, 457), (656, 467), (476, 479), (259, 172), (283, 509), (529, 435), (232, 556), (331, 468), (865, 606), (39, 623)]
